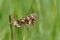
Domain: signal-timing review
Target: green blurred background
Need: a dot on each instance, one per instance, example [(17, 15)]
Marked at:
[(47, 26)]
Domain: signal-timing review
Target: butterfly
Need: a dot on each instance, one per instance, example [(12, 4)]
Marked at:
[(29, 19)]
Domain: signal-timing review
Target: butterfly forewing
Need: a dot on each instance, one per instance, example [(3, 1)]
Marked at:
[(28, 19)]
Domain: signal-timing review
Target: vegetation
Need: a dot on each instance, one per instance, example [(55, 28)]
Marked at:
[(47, 26)]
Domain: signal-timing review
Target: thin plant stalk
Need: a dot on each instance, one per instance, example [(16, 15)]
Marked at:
[(11, 27)]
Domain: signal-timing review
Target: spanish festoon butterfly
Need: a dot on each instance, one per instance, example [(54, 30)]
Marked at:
[(29, 19)]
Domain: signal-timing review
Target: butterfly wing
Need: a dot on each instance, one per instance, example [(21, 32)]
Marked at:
[(29, 19), (14, 21)]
